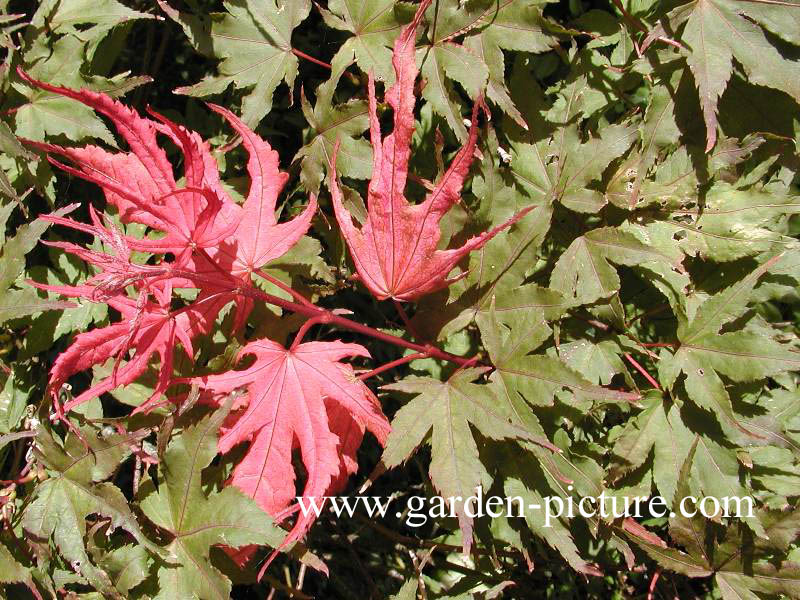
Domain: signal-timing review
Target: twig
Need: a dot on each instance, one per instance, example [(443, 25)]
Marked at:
[(392, 365), (264, 275), (651, 590), (289, 591), (279, 284), (593, 322), (642, 370), (334, 319), (316, 61), (301, 333), (406, 321)]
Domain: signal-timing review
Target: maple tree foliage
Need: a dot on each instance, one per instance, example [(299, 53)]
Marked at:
[(210, 236), (568, 272), (207, 233)]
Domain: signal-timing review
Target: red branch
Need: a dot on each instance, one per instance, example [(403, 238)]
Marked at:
[(279, 284), (406, 321), (331, 318), (301, 333), (316, 61), (392, 365), (642, 370)]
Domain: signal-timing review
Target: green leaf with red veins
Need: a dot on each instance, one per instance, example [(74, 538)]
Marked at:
[(196, 518), (584, 273), (716, 32), (330, 123), (373, 25), (449, 410), (254, 40), (506, 25)]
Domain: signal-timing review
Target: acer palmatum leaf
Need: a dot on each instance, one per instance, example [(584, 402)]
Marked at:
[(117, 270), (301, 397), (141, 184), (259, 237), (395, 251), (147, 327), (350, 432), (146, 330), (215, 242), (200, 215)]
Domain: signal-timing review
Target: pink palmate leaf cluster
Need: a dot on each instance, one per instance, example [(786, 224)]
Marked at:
[(302, 398)]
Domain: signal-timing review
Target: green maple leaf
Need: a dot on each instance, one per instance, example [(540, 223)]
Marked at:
[(374, 26), (11, 146), (82, 313), (195, 520), (329, 123), (567, 473), (584, 273), (75, 490), (478, 63), (742, 566), (442, 63), (13, 572), (598, 362), (656, 429), (448, 411), (526, 481), (732, 224), (506, 25), (408, 591), (87, 20), (499, 267), (536, 378), (716, 33), (253, 39), (657, 131), (668, 431), (560, 167), (15, 302), (127, 566), (781, 19), (47, 114), (553, 162), (739, 355)]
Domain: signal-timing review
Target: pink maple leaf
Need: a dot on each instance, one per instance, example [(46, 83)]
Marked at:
[(305, 398), (205, 229), (146, 330), (141, 183), (259, 237), (395, 251)]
